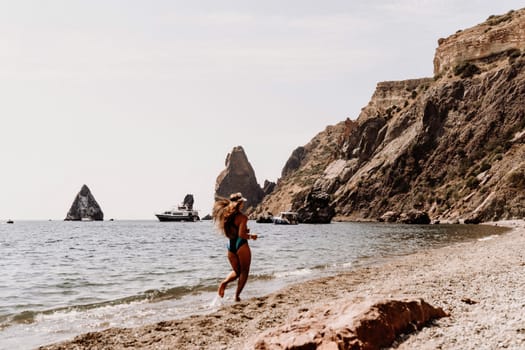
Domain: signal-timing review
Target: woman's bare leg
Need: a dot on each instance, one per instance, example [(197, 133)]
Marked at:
[(244, 255), (234, 262)]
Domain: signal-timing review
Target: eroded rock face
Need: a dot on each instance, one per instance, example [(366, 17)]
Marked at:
[(292, 189), (268, 187), (452, 146), (315, 208), (497, 35), (294, 161), (85, 207), (415, 217), (368, 325), (239, 176)]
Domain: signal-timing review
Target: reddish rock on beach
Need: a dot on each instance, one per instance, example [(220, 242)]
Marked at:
[(368, 325)]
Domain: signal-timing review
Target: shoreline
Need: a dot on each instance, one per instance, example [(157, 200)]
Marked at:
[(480, 283)]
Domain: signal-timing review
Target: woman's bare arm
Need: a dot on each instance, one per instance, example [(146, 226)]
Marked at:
[(244, 231)]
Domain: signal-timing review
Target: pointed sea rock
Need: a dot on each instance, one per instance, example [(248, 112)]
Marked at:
[(239, 177), (85, 207), (188, 201)]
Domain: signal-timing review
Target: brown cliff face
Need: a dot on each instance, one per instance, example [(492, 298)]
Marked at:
[(300, 174), (482, 43), (238, 176), (452, 146)]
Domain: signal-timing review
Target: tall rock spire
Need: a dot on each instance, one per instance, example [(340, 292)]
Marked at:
[(85, 207), (239, 177)]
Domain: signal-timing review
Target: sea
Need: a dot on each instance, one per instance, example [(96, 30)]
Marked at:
[(59, 279)]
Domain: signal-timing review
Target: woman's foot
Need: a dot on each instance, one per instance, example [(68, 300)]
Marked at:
[(222, 288), (237, 299)]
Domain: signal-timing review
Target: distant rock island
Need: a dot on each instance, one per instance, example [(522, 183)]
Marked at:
[(451, 146), (239, 176), (85, 207)]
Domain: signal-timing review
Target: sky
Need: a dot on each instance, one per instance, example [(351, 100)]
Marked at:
[(143, 100)]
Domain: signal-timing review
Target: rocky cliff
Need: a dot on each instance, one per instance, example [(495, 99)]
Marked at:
[(484, 43), (84, 207), (452, 146), (239, 176)]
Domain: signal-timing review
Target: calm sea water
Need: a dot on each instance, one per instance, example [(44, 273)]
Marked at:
[(59, 279)]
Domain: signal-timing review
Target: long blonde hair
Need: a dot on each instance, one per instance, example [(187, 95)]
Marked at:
[(224, 209)]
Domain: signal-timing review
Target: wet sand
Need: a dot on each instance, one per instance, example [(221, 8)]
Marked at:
[(480, 283)]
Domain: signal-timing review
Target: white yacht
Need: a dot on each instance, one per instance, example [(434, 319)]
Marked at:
[(181, 213)]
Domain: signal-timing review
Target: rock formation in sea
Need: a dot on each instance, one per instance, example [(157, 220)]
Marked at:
[(188, 201), (85, 207), (451, 147), (239, 176)]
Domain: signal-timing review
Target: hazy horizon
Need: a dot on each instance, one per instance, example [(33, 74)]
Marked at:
[(142, 101)]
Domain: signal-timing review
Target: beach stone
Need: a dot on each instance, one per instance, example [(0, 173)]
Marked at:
[(367, 325), (85, 207)]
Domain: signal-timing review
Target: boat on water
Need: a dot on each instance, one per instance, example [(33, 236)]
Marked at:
[(286, 218), (180, 213)]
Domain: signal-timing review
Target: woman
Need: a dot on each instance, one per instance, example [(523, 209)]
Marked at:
[(233, 224)]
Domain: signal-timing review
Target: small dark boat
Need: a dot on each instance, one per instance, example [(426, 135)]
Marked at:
[(10, 222), (286, 218)]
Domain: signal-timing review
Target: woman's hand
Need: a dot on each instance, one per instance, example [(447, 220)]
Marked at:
[(254, 237)]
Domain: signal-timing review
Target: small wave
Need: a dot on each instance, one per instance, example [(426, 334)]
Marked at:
[(24, 317), (347, 264), (299, 272), (176, 292), (152, 295), (488, 238)]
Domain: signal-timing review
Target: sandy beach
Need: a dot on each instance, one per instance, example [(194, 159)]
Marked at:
[(481, 284)]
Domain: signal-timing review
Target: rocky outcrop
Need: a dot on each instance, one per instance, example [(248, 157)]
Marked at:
[(85, 207), (268, 187), (315, 208), (266, 218), (482, 44), (188, 201), (389, 216), (239, 176), (301, 172), (414, 217), (294, 161), (352, 326), (452, 146)]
